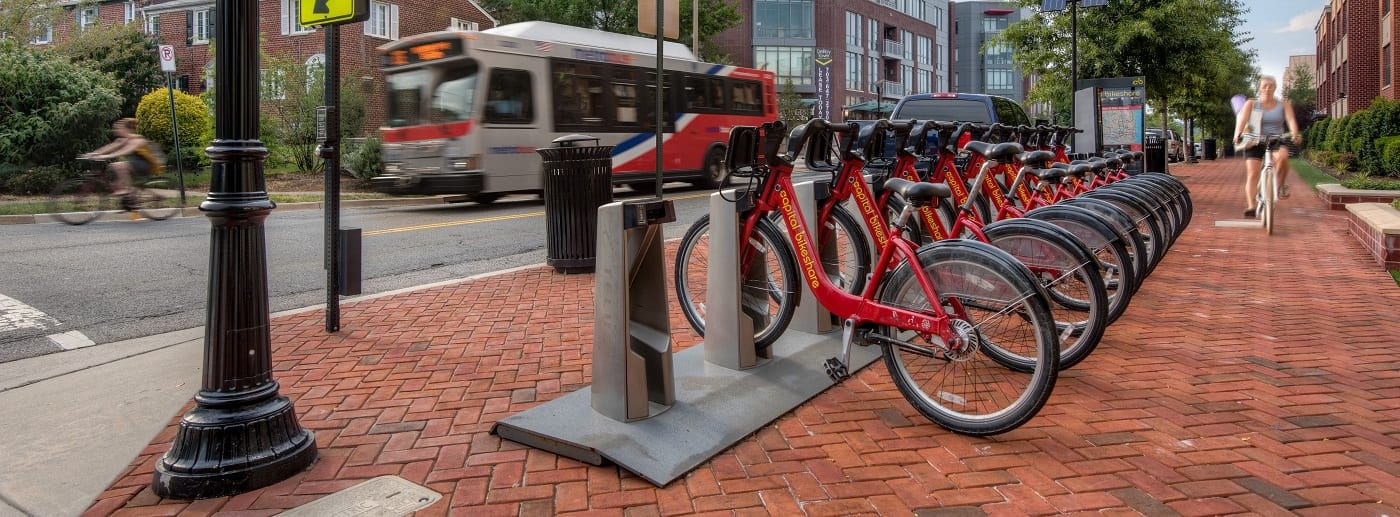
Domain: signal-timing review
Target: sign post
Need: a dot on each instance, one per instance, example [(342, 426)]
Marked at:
[(167, 65), (332, 14), (666, 24)]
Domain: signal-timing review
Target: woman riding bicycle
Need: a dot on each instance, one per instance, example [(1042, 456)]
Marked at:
[(1273, 113), (133, 150)]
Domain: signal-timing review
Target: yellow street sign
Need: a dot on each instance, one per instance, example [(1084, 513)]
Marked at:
[(332, 12)]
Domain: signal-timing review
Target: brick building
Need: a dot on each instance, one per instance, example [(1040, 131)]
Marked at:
[(1388, 25), (1349, 48), (1299, 62), (188, 25), (865, 50)]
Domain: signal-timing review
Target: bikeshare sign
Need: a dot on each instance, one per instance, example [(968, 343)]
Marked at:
[(333, 12)]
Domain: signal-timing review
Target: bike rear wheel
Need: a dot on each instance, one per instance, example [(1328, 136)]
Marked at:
[(153, 204), (79, 200), (974, 391)]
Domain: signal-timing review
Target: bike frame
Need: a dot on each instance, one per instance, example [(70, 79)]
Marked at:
[(777, 193)]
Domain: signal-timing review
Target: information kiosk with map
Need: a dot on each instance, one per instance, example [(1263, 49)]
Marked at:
[(1110, 111)]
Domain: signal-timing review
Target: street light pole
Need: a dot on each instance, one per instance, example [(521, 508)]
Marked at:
[(242, 434)]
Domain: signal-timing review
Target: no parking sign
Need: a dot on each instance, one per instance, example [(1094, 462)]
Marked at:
[(167, 58)]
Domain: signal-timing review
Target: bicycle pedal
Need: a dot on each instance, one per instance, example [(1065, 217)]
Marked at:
[(836, 370)]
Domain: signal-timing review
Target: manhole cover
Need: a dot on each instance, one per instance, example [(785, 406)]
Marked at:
[(384, 496)]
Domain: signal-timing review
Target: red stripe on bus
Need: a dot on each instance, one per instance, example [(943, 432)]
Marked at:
[(429, 132)]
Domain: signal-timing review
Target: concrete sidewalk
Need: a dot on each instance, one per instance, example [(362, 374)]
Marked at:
[(1250, 374)]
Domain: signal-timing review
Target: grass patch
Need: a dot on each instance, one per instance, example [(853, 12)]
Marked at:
[(39, 205), (1371, 183), (1310, 173), (1395, 274), (310, 198)]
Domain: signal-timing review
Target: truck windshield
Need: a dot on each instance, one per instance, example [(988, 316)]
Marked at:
[(946, 110), (449, 95)]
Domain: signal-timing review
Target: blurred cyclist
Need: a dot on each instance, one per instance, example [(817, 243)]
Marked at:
[(131, 154)]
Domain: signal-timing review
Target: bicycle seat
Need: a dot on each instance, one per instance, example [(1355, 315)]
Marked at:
[(1050, 174), (918, 193), (1114, 162), (1077, 170), (1037, 158), (1002, 152), (1098, 164)]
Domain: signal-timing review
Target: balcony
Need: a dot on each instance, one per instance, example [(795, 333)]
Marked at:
[(893, 49), (892, 4), (892, 89)]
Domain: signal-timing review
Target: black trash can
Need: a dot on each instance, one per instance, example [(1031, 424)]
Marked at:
[(1154, 153), (1208, 148), (577, 180)]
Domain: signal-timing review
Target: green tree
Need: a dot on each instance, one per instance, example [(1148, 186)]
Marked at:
[(125, 52), (790, 108), (1302, 95), (1184, 48), (621, 17), (291, 92), (52, 110), (22, 20)]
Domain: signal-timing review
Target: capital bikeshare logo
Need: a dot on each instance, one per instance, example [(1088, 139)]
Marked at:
[(867, 208), (799, 239)]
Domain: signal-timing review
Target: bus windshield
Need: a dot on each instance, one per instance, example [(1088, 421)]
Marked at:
[(450, 95)]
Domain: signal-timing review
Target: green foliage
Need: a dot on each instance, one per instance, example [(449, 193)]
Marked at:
[(196, 125), (22, 20), (1335, 131), (123, 51), (367, 160), (1315, 134), (1371, 183), (790, 108), (716, 16), (35, 180), (51, 109), (1389, 163), (291, 94)]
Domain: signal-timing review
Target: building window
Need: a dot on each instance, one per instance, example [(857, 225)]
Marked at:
[(1385, 65), (43, 32), (872, 72), (203, 26), (291, 18), (153, 24), (272, 84), (383, 21), (925, 51), (790, 63), (315, 69), (852, 29), (994, 24), (87, 17), (998, 79), (783, 19), (1385, 7), (925, 84), (853, 61), (872, 34), (997, 54), (128, 11), (458, 24)]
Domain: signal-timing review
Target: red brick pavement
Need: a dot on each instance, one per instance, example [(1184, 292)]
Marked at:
[(1251, 374)]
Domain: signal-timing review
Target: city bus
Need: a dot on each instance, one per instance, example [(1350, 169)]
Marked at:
[(465, 110)]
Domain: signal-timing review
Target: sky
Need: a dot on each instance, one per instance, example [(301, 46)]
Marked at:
[(1281, 28)]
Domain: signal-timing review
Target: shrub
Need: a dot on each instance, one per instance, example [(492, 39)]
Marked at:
[(1316, 134), (366, 162), (153, 122), (1334, 134), (36, 180), (52, 110), (1389, 162), (1371, 183)]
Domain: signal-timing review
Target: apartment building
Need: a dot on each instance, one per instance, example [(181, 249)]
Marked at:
[(188, 25), (1350, 45), (1299, 62), (980, 67), (843, 56)]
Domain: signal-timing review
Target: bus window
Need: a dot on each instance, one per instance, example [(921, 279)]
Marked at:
[(649, 102), (509, 97), (716, 87), (747, 97), (624, 93), (579, 95), (454, 99), (405, 106), (694, 93)]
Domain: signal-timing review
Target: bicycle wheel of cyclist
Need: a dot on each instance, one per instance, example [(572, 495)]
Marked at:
[(153, 203), (973, 391), (1070, 275), (779, 284), (80, 200), (1266, 197)]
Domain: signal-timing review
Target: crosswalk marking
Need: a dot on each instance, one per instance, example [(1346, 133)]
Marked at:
[(15, 315)]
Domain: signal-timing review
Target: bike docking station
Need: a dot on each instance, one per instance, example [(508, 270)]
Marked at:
[(657, 414)]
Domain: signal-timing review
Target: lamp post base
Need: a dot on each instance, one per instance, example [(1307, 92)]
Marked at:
[(222, 451)]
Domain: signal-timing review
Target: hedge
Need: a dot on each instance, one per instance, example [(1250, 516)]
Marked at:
[(196, 126)]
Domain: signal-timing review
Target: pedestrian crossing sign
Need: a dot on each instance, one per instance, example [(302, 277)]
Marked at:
[(332, 12)]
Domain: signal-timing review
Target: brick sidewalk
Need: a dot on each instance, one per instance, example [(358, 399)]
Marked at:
[(1250, 374)]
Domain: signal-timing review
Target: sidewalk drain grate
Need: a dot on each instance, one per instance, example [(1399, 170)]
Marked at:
[(384, 496)]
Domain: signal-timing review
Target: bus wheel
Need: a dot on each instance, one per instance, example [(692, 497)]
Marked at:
[(485, 199), (645, 187), (715, 171)]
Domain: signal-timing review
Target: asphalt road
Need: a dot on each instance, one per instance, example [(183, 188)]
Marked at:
[(67, 286)]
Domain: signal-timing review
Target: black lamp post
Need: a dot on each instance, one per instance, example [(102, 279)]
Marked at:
[(242, 434)]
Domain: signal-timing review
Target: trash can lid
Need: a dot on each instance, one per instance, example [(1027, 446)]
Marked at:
[(573, 140)]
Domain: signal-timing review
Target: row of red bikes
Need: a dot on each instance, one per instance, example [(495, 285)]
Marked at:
[(980, 258)]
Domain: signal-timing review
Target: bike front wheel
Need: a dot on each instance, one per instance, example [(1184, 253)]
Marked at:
[(154, 201), (768, 294), (79, 200), (1003, 318)]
